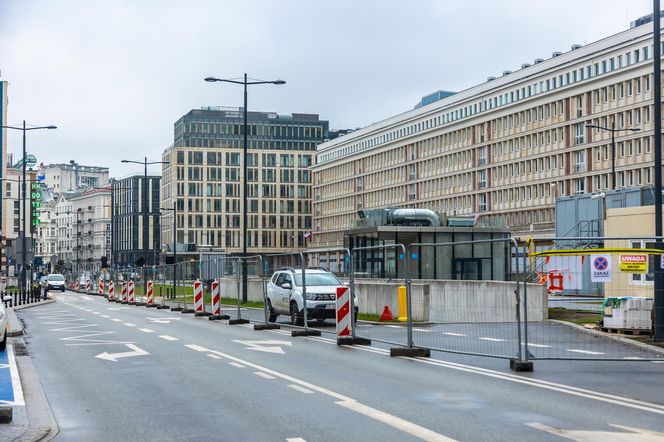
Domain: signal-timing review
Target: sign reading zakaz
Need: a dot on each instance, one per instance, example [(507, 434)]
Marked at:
[(600, 268)]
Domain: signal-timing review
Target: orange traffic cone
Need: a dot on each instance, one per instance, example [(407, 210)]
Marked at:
[(387, 314)]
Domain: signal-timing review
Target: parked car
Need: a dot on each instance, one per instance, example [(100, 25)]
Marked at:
[(55, 281), (3, 324), (284, 295)]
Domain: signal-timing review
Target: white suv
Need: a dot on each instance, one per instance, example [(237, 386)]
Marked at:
[(284, 295)]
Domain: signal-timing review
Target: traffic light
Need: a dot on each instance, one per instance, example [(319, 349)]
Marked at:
[(104, 262)]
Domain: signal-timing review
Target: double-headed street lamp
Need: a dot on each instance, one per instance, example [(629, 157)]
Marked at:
[(613, 131), (146, 223), (24, 246), (245, 83)]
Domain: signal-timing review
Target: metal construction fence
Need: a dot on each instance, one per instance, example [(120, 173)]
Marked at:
[(484, 302)]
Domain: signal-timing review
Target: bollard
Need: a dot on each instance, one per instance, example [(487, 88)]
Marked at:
[(123, 300), (100, 287), (199, 304), (131, 299), (77, 285), (401, 295), (150, 295), (87, 285), (111, 291), (215, 300)]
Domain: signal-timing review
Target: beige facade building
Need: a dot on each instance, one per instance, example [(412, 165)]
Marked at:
[(203, 178), (504, 149)]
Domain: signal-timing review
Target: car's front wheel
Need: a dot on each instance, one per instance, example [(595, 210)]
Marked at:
[(296, 317)]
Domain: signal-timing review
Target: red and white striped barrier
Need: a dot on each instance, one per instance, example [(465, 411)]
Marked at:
[(101, 287), (123, 299), (150, 294), (77, 284), (111, 290), (343, 311), (215, 299), (198, 297), (130, 292), (87, 285)]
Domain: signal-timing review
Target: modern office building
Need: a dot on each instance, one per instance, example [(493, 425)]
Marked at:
[(136, 221), (203, 178), (504, 149), (73, 177)]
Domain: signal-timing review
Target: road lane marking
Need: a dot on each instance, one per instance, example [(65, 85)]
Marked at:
[(146, 330), (116, 320), (263, 375), (585, 352), (105, 316), (166, 320), (135, 351), (196, 347), (632, 434), (96, 313), (168, 338), (16, 380), (265, 346), (236, 364), (530, 344), (300, 389), (426, 330), (129, 324), (453, 334), (214, 356), (295, 439), (492, 339), (403, 424)]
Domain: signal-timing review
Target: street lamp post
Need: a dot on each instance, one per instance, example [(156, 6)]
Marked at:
[(175, 267), (22, 227), (245, 83), (613, 131), (146, 223)]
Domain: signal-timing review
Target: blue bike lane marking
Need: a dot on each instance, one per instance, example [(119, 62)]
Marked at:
[(11, 392)]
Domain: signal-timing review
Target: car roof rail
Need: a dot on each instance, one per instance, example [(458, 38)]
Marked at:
[(285, 268)]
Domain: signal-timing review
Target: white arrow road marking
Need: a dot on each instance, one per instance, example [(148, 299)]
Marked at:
[(266, 346), (634, 434), (135, 351), (163, 320)]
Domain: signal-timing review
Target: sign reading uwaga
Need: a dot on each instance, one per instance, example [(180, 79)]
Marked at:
[(634, 263)]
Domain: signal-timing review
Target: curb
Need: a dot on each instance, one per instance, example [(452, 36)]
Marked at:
[(615, 337)]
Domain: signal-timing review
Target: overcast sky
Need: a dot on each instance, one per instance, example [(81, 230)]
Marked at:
[(115, 75)]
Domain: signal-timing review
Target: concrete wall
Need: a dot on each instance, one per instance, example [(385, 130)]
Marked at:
[(433, 300)]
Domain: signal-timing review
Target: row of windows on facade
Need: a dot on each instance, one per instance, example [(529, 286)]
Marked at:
[(253, 222), (233, 239), (269, 130), (303, 205), (580, 73), (234, 173), (234, 190), (235, 158), (251, 144)]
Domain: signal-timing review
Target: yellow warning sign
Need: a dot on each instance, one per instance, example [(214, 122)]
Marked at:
[(634, 263)]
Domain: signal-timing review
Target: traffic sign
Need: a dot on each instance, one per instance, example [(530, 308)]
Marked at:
[(30, 160)]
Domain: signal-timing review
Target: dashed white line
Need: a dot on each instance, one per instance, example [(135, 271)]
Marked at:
[(210, 355), (236, 364), (116, 320), (129, 324), (96, 313), (105, 316), (295, 439), (585, 352), (168, 338), (426, 330), (264, 376), (530, 344), (146, 330), (492, 339), (453, 334), (300, 389), (196, 347)]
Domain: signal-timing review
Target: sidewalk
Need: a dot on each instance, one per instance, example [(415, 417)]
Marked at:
[(32, 419)]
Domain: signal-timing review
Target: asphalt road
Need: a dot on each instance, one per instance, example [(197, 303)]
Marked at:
[(113, 372)]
